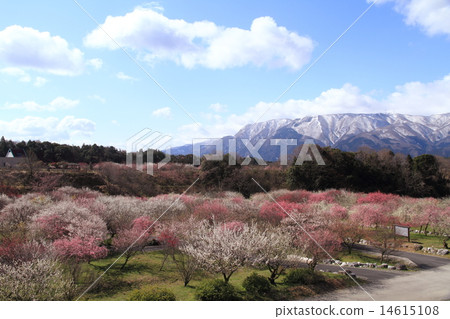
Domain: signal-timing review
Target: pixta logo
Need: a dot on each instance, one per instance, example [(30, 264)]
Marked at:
[(308, 149), (146, 141)]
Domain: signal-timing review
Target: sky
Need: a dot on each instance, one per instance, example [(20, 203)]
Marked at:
[(83, 72)]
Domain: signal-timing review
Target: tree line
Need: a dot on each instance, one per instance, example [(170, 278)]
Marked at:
[(48, 152), (362, 171)]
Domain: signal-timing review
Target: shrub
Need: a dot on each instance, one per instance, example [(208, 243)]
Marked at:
[(152, 294), (256, 285), (303, 276), (217, 290), (4, 200), (39, 279)]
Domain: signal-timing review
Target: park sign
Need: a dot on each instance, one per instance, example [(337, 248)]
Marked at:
[(401, 231)]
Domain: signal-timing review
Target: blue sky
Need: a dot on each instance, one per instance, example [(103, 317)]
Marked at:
[(63, 79)]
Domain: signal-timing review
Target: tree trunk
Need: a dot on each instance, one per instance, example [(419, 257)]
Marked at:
[(126, 261), (164, 261), (312, 265), (349, 248)]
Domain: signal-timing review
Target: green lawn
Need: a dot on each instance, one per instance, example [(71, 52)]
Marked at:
[(426, 241), (361, 257), (144, 270)]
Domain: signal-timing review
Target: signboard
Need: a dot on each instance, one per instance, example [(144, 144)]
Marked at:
[(401, 231)]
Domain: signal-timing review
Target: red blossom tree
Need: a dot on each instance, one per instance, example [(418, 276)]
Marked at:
[(212, 211), (390, 201), (272, 212)]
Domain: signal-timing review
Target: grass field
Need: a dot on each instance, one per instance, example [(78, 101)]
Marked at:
[(361, 257), (144, 270), (427, 241)]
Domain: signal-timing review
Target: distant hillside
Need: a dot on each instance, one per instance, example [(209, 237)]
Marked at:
[(407, 134)]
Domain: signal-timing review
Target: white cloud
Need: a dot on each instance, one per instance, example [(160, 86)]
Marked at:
[(218, 107), (162, 112), (123, 76), (95, 63), (433, 16), (25, 47), (414, 98), (203, 42), (23, 76), (39, 81), (59, 103), (16, 72), (98, 98), (421, 98), (67, 130)]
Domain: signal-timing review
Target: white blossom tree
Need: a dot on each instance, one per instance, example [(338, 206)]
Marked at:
[(224, 250), (38, 279), (275, 247)]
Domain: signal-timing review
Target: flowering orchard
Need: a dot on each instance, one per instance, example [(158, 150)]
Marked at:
[(44, 234)]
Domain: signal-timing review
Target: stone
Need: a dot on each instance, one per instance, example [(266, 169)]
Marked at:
[(442, 252), (384, 265), (401, 267), (418, 247), (392, 267)]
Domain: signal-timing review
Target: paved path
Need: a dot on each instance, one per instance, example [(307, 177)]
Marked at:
[(433, 283), (364, 273), (423, 261)]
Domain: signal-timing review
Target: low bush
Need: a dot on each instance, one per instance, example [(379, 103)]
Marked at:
[(217, 290), (152, 294), (256, 285), (303, 276)]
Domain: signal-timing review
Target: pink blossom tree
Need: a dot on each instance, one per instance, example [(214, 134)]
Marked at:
[(172, 237), (349, 231), (134, 239), (79, 249), (373, 215), (317, 245)]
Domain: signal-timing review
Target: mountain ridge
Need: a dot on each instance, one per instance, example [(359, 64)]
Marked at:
[(403, 133)]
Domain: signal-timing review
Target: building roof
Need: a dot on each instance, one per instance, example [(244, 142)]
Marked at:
[(16, 153)]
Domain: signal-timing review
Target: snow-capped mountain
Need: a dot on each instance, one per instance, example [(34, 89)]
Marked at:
[(408, 134)]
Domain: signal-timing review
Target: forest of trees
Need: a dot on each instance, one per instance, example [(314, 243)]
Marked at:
[(362, 171), (48, 152)]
